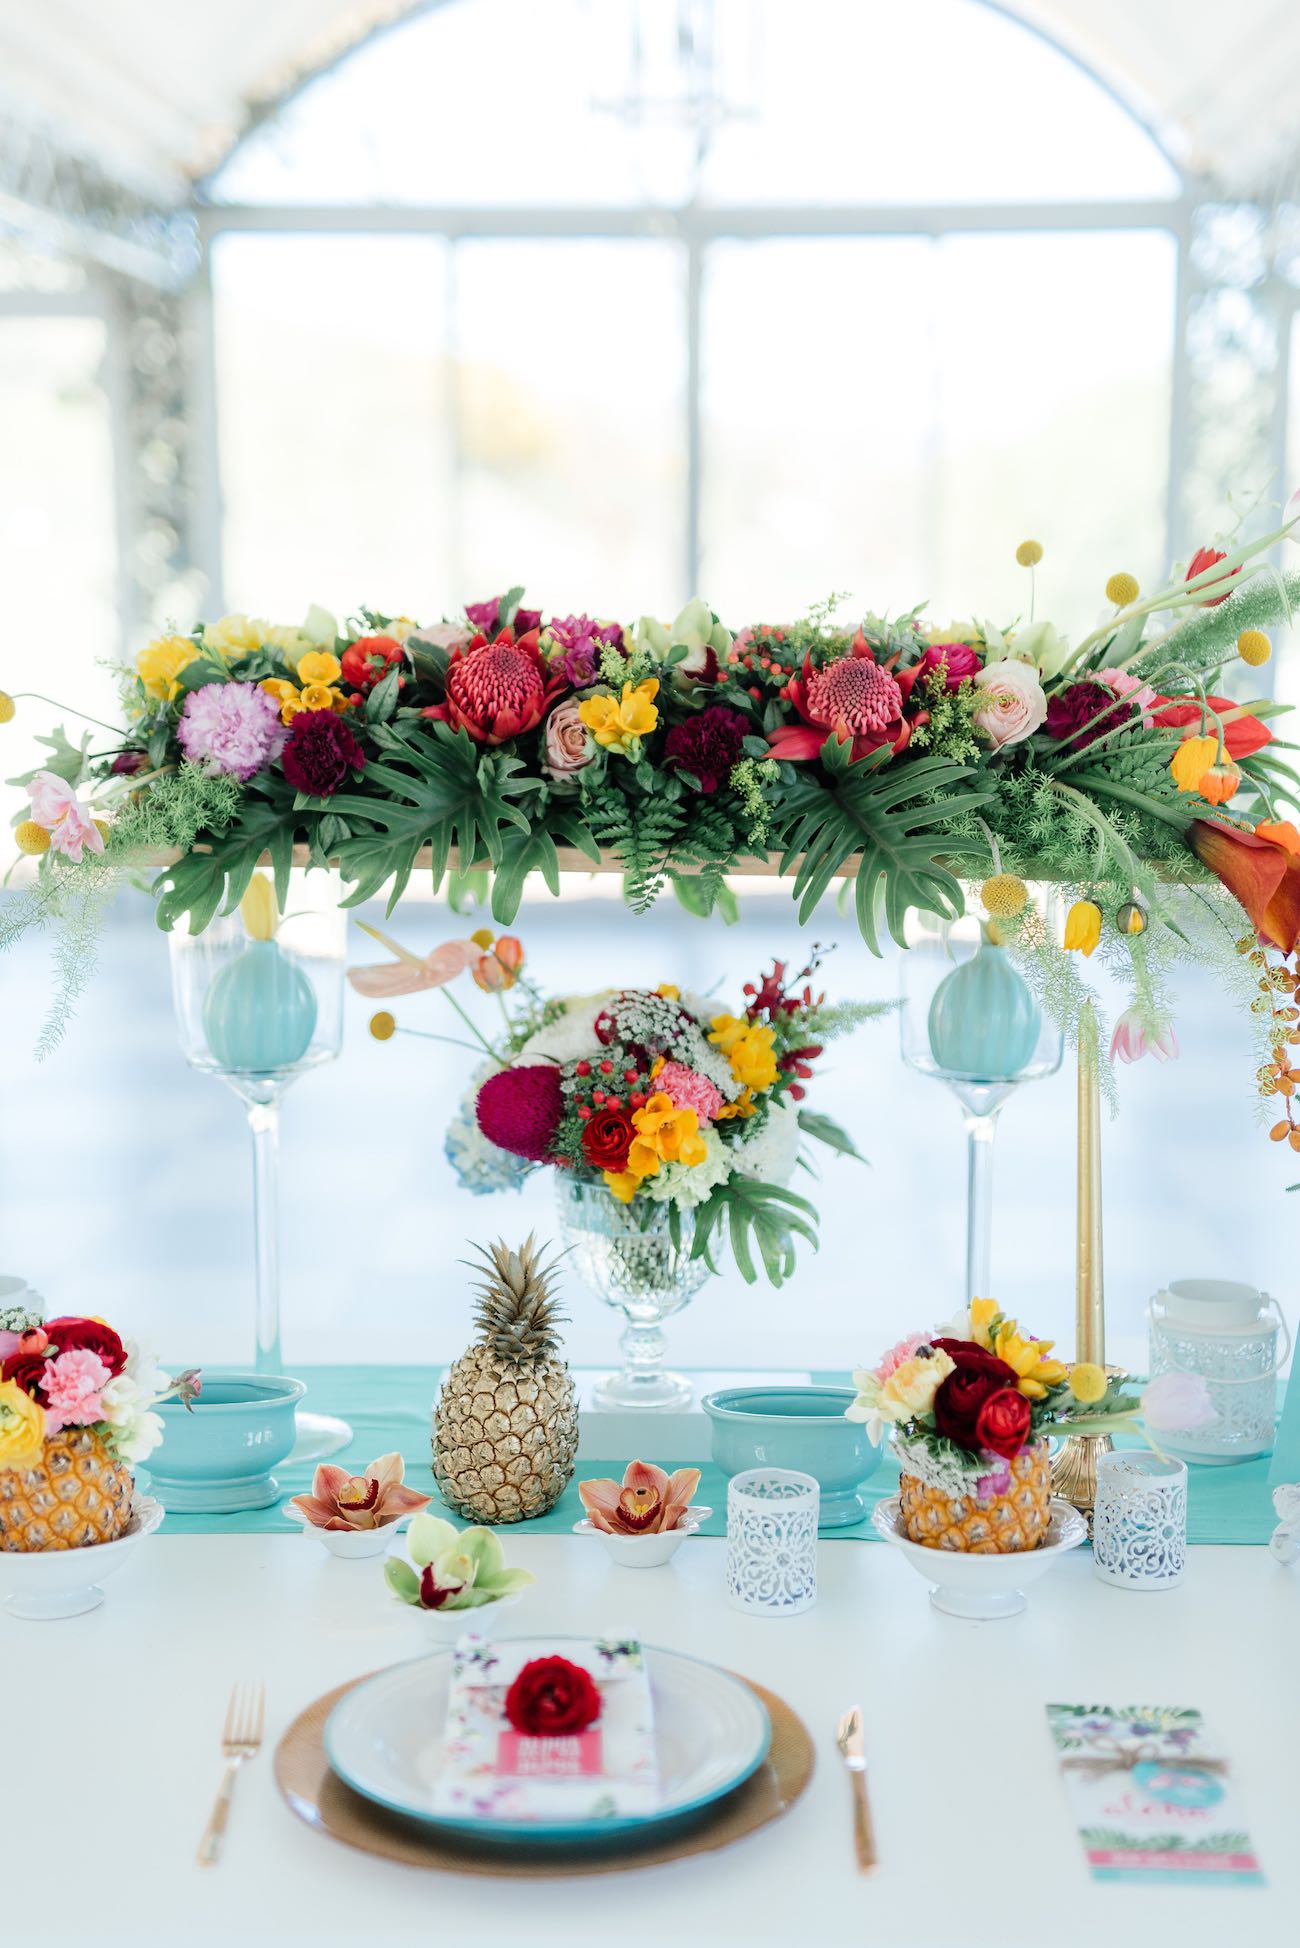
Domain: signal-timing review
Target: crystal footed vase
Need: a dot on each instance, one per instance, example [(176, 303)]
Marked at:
[(627, 1255)]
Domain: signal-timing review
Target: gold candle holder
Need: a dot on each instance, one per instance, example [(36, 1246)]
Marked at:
[(1074, 1472)]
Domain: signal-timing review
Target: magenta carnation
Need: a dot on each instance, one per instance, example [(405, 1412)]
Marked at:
[(1083, 712), (707, 745), (688, 1089), (519, 1110), (320, 753), (231, 728)]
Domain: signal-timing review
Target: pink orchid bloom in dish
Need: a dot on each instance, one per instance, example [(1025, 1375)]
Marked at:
[(411, 973), (372, 1500), (55, 805), (648, 1502), (1130, 1041)]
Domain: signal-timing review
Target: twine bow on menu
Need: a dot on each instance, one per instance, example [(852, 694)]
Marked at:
[(848, 1736), (241, 1739)]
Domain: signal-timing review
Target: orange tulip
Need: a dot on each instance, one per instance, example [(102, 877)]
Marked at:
[(1262, 874)]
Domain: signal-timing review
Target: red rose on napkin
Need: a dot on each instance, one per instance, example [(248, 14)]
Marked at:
[(1002, 1424), (551, 1698)]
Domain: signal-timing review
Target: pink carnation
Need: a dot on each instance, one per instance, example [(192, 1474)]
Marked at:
[(72, 1384), (1138, 693), (688, 1089), (232, 729), (898, 1355)]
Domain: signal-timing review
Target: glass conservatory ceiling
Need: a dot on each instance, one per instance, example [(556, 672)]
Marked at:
[(159, 91)]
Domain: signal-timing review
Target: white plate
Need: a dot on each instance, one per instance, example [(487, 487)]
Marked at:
[(384, 1739), (965, 1584)]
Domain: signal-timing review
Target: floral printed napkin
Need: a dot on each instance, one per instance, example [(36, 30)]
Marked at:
[(490, 1771)]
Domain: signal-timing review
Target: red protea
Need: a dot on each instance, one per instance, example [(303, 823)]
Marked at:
[(497, 690), (855, 699)]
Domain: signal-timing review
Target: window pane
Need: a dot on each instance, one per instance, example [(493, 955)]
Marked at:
[(58, 548), (571, 367), (891, 416)]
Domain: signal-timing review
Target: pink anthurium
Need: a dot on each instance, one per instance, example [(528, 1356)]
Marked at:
[(412, 973), (372, 1500), (647, 1501)]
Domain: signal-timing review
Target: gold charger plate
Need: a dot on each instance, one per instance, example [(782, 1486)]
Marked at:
[(322, 1801)]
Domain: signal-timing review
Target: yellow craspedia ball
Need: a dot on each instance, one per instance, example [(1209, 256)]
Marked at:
[(1029, 554), (1122, 589), (1087, 1383), (8, 706), (31, 837), (1253, 647), (383, 1026), (1004, 896)]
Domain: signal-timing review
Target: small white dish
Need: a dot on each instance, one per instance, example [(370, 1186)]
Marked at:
[(49, 1583), (351, 1544), (982, 1587), (447, 1627), (647, 1551)]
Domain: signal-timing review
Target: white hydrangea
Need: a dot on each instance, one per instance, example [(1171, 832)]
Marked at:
[(571, 1035), (771, 1153), (689, 1184)]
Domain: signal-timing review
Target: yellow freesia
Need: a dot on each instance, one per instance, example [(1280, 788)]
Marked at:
[(235, 635), (744, 1105), (982, 1314), (1035, 1372), (726, 1031), (318, 696), (1083, 927), (286, 695), (160, 663), (753, 1059), (1192, 760), (318, 666), (22, 1427), (623, 1184), (619, 723), (664, 1134)]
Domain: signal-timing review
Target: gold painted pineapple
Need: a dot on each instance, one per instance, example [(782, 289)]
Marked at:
[(505, 1428), (76, 1494), (1002, 1525)]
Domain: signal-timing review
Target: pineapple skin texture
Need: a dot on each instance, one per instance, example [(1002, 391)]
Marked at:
[(505, 1437), (76, 1495), (1002, 1526)]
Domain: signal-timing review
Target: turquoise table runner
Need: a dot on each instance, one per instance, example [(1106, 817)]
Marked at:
[(390, 1408)]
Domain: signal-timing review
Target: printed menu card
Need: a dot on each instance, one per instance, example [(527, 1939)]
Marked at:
[(492, 1770), (1150, 1789)]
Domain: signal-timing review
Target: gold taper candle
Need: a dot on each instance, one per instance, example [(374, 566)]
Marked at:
[(1089, 1285)]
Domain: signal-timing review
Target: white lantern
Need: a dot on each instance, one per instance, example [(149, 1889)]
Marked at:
[(1228, 1334)]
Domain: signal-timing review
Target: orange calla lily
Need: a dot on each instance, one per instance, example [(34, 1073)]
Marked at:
[(1259, 872)]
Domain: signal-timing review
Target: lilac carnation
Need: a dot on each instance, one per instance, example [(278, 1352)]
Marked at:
[(231, 728)]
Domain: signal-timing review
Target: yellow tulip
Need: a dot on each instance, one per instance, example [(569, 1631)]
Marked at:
[(22, 1427), (1192, 760), (318, 666), (1083, 927)]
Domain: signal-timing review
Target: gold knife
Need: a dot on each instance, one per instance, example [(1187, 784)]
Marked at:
[(848, 1736)]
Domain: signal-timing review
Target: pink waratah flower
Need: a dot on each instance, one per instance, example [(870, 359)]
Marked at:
[(231, 729), (688, 1089), (646, 1502), (1177, 1403), (1130, 1041), (854, 699), (898, 1355), (1138, 693), (72, 1385), (55, 805)]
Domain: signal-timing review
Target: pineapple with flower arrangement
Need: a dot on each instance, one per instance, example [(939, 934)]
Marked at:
[(971, 1409), (76, 1411)]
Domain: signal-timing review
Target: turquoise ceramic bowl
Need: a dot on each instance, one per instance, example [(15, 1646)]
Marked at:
[(801, 1428), (218, 1457)]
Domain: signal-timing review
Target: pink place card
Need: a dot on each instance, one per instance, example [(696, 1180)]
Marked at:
[(577, 1756)]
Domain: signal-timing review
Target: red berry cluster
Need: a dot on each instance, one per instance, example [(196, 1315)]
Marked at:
[(763, 656), (610, 1084)]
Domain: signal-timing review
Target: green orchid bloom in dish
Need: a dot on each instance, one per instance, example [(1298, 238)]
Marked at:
[(452, 1569)]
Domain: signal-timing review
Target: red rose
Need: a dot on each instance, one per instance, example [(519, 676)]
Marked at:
[(552, 1697), (90, 1335), (976, 1374), (957, 661), (606, 1139), (27, 1371), (368, 660), (1003, 1422)]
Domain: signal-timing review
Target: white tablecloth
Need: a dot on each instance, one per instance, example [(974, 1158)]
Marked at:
[(111, 1756)]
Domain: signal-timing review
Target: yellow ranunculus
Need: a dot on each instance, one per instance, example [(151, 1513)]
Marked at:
[(619, 723), (22, 1427), (1192, 760), (911, 1387), (1087, 1382), (160, 663), (235, 635), (1083, 927), (318, 666)]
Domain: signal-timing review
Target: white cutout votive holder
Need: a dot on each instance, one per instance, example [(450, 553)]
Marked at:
[(772, 1542), (1139, 1523)]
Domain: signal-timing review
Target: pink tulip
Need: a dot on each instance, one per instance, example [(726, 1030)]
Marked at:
[(55, 805), (1130, 1041), (1177, 1403)]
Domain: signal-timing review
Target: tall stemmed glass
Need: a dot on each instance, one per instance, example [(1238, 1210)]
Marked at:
[(259, 1000), (969, 1020)]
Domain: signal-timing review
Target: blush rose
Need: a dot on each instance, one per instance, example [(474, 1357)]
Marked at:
[(1012, 703)]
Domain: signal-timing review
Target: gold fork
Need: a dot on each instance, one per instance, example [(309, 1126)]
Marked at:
[(848, 1736), (240, 1739)]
